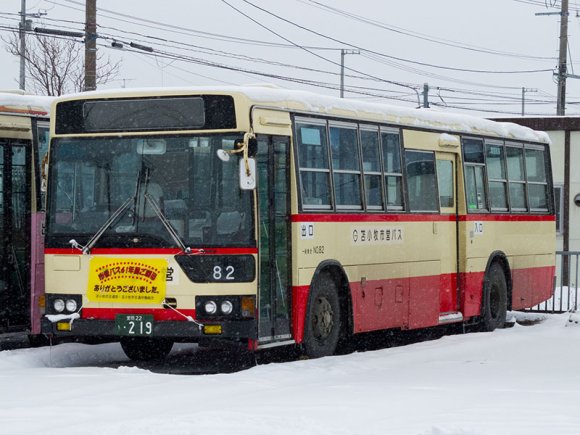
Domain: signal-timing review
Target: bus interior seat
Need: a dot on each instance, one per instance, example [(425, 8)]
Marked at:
[(176, 210), (229, 223), (156, 194), (201, 219)]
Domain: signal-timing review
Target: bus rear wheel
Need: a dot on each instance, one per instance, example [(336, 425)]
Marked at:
[(323, 322), (146, 349), (494, 299)]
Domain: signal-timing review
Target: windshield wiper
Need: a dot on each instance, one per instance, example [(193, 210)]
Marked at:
[(166, 224), (108, 223)]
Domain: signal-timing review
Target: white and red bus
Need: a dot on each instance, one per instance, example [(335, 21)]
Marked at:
[(268, 217), (24, 133)]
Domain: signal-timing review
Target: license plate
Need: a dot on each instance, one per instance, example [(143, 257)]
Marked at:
[(134, 324)]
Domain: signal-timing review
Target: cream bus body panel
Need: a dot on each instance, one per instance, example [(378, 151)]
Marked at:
[(69, 274), (15, 127)]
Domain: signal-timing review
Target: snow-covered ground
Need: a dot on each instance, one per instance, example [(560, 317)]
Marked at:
[(521, 380)]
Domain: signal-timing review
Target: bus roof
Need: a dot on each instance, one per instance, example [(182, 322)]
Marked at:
[(16, 103), (309, 102)]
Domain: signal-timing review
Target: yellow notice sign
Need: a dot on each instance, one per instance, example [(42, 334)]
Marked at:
[(122, 280)]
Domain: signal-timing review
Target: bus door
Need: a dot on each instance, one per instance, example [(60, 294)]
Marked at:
[(447, 234), (273, 162), (14, 234)]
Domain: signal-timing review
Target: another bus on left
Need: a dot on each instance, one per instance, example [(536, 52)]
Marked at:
[(24, 137)]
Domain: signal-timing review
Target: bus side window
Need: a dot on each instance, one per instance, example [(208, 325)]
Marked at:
[(446, 183), (421, 181), (345, 167), (314, 167), (391, 144), (516, 178), (496, 174), (474, 174), (536, 177)]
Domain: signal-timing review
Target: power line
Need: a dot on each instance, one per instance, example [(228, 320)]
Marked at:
[(422, 36)]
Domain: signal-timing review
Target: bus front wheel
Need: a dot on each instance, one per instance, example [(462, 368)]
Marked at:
[(146, 349), (494, 301), (322, 328)]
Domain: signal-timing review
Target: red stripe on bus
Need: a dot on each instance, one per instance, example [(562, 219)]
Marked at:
[(153, 251), (158, 313), (357, 217), (508, 217)]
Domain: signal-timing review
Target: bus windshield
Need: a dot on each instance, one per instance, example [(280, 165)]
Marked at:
[(131, 188)]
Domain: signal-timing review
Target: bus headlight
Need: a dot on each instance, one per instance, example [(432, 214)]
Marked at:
[(227, 307), (71, 305), (58, 305), (210, 307)]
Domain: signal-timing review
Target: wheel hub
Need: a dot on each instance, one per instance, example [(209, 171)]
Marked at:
[(323, 320)]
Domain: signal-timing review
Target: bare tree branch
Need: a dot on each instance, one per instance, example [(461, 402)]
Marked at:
[(55, 66)]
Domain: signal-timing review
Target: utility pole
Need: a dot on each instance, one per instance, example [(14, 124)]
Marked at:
[(344, 52), (562, 60), (426, 95), (22, 36), (91, 45), (524, 90)]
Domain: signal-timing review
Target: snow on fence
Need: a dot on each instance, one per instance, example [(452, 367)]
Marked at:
[(565, 286)]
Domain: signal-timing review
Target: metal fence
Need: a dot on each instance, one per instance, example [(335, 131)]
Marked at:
[(565, 296)]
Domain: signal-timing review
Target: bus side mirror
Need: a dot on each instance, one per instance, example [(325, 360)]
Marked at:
[(248, 174)]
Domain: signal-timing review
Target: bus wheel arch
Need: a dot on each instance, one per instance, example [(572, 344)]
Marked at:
[(496, 292), (329, 300)]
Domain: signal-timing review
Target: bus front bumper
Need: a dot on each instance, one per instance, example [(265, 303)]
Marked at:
[(178, 330)]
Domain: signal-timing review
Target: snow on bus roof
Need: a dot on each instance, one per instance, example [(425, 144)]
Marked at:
[(17, 103), (323, 104)]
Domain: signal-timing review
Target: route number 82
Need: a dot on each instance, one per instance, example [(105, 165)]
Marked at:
[(219, 274)]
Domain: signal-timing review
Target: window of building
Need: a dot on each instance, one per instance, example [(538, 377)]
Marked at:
[(559, 203)]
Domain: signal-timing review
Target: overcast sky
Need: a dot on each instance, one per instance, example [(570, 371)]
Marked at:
[(401, 45)]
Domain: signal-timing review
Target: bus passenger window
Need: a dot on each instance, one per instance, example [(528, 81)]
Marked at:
[(474, 174), (421, 181), (536, 177), (495, 159), (446, 183), (392, 166), (369, 140), (345, 167), (516, 179), (313, 160)]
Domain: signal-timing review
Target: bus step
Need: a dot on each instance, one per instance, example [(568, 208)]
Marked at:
[(450, 318)]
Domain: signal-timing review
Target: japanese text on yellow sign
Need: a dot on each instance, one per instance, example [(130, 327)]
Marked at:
[(122, 280)]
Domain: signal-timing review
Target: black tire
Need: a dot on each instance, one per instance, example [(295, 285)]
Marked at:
[(494, 301), (323, 319), (146, 349), (38, 340)]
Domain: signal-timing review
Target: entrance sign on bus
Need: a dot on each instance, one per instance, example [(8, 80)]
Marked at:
[(266, 217)]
